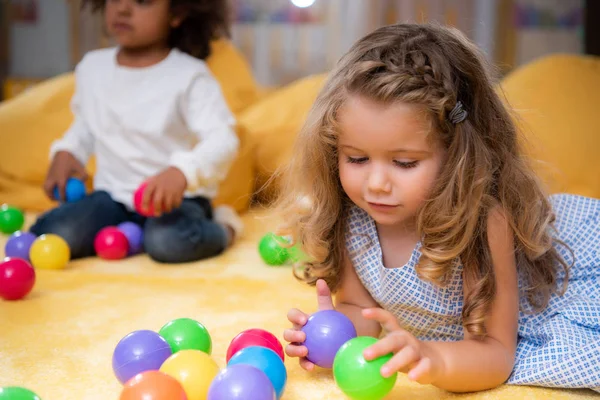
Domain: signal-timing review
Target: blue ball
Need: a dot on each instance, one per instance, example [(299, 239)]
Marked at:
[(265, 360), (74, 190)]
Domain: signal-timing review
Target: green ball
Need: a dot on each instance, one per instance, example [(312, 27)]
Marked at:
[(271, 251), (11, 219), (360, 379), (186, 334), (17, 393)]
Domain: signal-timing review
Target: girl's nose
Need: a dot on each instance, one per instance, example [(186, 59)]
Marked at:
[(378, 180)]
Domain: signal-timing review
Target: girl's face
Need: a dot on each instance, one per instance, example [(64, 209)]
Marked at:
[(137, 24), (387, 160)]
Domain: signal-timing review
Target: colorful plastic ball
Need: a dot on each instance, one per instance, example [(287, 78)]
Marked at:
[(18, 245), (135, 236), (241, 382), (74, 190), (194, 369), (360, 379), (49, 251), (17, 278), (271, 250), (138, 196), (11, 219), (111, 244), (138, 352), (296, 254), (17, 393), (326, 331), (255, 337), (153, 385), (265, 360), (186, 334)]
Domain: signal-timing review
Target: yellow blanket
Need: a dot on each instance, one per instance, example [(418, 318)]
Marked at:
[(59, 341)]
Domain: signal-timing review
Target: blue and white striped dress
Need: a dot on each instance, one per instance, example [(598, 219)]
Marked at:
[(558, 347)]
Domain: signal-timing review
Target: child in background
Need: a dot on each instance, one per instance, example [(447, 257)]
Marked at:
[(417, 208), (150, 110)]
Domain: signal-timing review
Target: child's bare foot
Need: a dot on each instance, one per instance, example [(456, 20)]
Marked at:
[(226, 216)]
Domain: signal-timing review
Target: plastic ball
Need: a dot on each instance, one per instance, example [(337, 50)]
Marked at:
[(271, 250), (255, 337), (194, 369), (111, 244), (49, 251), (296, 254), (135, 236), (17, 278), (326, 331), (153, 385), (17, 393), (18, 245), (74, 190), (11, 219), (137, 201), (138, 352), (241, 382), (186, 334), (265, 360), (360, 379)]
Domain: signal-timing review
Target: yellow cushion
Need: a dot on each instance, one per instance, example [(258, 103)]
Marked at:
[(274, 122), (33, 120), (557, 100)]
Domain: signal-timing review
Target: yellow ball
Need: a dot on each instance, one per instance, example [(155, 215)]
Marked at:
[(49, 251), (194, 369)]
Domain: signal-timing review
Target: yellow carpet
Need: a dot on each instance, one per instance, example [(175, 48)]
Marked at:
[(58, 342)]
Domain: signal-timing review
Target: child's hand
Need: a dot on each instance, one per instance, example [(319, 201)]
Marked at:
[(411, 355), (295, 336), (64, 166), (165, 191)]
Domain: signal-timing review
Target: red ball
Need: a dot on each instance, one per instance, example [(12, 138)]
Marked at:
[(255, 337), (17, 278), (137, 201), (111, 244)]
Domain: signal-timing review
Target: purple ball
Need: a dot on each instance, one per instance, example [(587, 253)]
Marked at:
[(138, 352), (241, 382), (18, 245), (135, 236), (326, 331)]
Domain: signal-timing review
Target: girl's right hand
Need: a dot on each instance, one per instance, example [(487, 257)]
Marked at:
[(295, 336), (64, 165)]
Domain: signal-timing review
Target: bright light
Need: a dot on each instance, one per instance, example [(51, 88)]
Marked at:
[(303, 3)]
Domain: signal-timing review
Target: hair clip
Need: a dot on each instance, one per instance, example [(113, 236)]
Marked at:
[(458, 113)]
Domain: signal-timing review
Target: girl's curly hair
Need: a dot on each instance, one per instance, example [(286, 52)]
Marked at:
[(205, 21)]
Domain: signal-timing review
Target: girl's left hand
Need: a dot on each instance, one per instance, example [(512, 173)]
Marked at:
[(411, 356), (165, 191)]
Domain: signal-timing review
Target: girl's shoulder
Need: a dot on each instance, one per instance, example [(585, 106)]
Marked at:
[(97, 59)]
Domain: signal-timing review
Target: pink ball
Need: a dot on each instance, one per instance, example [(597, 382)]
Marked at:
[(137, 201), (17, 278), (111, 244)]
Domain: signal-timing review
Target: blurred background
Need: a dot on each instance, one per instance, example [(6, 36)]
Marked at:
[(284, 40)]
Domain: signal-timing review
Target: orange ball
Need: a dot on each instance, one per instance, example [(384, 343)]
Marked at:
[(153, 385)]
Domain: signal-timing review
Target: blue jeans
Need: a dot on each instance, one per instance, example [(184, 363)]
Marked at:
[(185, 234)]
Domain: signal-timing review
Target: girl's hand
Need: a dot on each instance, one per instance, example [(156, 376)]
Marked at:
[(411, 355), (165, 191), (64, 166), (295, 336)]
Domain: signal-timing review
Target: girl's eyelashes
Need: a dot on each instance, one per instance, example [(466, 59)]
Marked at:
[(406, 164), (401, 164)]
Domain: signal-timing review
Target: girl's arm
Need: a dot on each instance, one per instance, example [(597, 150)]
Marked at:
[(471, 364), (208, 116), (474, 364)]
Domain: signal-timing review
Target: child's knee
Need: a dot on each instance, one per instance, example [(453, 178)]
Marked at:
[(168, 244), (66, 229)]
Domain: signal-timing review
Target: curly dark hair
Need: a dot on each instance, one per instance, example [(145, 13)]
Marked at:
[(205, 20)]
